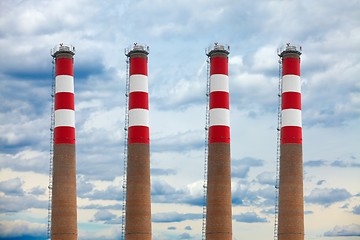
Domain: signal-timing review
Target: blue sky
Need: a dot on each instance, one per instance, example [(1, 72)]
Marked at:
[(177, 33)]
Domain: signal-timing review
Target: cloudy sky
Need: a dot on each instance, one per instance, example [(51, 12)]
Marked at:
[(177, 32)]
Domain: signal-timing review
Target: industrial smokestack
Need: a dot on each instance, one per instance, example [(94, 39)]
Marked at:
[(64, 212), (291, 200), (218, 206), (138, 198)]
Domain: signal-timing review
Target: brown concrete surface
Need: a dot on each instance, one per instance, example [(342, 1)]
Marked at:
[(218, 209), (64, 211), (291, 199), (138, 194)]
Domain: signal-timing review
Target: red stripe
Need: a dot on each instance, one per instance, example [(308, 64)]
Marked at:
[(138, 100), (65, 66), (219, 134), (291, 66), (219, 99), (219, 65), (291, 100), (64, 100), (138, 134), (138, 65), (64, 135), (291, 134)]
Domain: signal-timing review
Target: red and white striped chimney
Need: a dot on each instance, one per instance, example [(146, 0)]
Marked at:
[(291, 200), (138, 191), (64, 211), (219, 203)]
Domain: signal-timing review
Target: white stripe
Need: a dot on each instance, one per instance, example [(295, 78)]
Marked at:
[(64, 117), (291, 117), (138, 117), (291, 83), (219, 82), (219, 116), (64, 83), (138, 83)]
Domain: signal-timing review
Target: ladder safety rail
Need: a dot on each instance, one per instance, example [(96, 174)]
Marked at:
[(277, 180), (51, 151), (207, 121), (127, 88)]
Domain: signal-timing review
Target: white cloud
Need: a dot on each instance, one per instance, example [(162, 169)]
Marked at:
[(19, 228), (265, 59), (26, 160)]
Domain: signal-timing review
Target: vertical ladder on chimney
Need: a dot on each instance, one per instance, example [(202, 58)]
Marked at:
[(123, 218), (207, 122), (277, 180), (51, 151)]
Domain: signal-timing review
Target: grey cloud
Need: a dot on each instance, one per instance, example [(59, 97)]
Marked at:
[(19, 203), (117, 207), (110, 193), (83, 186), (241, 168), (32, 116), (336, 163), (162, 188), (160, 171), (249, 161), (266, 178), (344, 164), (320, 182), (171, 228), (185, 236), (12, 187), (315, 163), (38, 191), (240, 171), (103, 215), (249, 217), (347, 230), (106, 164), (345, 206), (327, 196), (106, 217), (175, 217), (356, 210), (244, 195)]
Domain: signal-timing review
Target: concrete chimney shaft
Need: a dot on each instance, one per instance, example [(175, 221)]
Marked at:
[(291, 200), (218, 206), (64, 210), (138, 191)]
